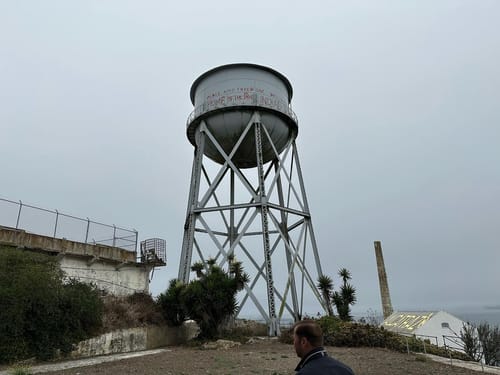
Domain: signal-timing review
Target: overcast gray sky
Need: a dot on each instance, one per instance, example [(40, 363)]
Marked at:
[(399, 125)]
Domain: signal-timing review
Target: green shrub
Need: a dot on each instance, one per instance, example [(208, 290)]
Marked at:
[(210, 299), (340, 333), (171, 305), (39, 314), (489, 336), (80, 309), (242, 330), (20, 370)]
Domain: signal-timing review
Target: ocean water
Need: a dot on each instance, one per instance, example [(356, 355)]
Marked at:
[(476, 316), (489, 316)]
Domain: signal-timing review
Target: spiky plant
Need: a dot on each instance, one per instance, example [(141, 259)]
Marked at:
[(325, 286)]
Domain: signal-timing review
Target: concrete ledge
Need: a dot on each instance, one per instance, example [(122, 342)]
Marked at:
[(135, 339), (21, 238)]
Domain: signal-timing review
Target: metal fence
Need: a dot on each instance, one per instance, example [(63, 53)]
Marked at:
[(56, 224), (450, 344)]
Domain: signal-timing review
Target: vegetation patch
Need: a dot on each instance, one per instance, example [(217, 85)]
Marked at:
[(41, 313), (349, 334), (20, 370), (420, 358), (210, 299), (136, 310)]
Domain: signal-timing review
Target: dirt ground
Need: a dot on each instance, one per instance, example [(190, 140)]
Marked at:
[(266, 357)]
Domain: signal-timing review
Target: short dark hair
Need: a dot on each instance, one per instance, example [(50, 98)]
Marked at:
[(310, 330)]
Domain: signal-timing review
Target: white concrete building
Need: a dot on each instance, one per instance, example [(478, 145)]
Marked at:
[(439, 327)]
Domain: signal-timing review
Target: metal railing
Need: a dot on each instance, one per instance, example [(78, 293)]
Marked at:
[(454, 343), (202, 109), (422, 339), (450, 344), (53, 223)]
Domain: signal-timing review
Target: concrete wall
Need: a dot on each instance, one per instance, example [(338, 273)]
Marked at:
[(112, 269), (433, 327), (20, 238), (119, 281), (135, 339)]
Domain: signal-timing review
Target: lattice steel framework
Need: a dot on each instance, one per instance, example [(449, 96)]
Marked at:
[(222, 218)]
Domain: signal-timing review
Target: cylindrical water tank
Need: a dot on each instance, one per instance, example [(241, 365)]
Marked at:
[(226, 97)]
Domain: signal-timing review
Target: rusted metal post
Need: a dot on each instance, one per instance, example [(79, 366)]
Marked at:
[(136, 239), (55, 225), (19, 214), (87, 233)]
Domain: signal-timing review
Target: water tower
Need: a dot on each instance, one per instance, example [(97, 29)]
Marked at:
[(247, 195)]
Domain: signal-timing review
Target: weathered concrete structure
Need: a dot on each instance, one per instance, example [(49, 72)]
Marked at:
[(112, 269), (383, 283), (135, 339)]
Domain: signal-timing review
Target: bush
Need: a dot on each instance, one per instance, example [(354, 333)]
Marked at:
[(340, 333), (489, 336), (472, 345), (136, 310), (210, 300), (242, 330), (171, 304), (39, 314), (80, 309)]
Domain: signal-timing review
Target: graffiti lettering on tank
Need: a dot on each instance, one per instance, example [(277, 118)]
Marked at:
[(243, 96)]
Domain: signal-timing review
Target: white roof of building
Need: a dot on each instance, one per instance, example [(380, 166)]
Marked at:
[(438, 326), (407, 321)]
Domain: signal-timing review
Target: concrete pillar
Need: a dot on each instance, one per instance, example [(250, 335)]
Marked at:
[(382, 278)]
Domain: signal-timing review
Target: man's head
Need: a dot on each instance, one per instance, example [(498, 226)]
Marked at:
[(307, 335)]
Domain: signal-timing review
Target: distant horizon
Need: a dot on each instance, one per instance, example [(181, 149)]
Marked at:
[(471, 316)]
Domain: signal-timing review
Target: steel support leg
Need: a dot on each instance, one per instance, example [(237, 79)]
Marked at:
[(273, 322)]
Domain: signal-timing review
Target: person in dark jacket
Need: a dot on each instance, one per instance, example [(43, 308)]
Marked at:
[(308, 344)]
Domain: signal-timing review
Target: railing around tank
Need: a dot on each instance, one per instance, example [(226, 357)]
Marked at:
[(56, 224), (202, 109)]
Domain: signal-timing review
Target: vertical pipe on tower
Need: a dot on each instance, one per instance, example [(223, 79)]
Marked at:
[(382, 278)]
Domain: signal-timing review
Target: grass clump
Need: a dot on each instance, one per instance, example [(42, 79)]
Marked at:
[(20, 370), (420, 358), (136, 310)]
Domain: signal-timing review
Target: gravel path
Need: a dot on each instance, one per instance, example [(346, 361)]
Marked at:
[(262, 357)]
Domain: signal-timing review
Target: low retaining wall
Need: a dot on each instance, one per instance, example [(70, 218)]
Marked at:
[(135, 339)]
